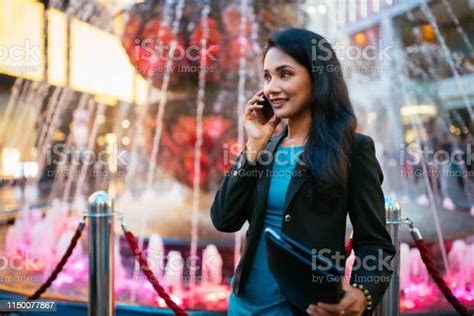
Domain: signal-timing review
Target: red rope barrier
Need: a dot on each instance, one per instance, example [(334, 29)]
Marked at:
[(348, 247), (61, 263), (432, 269), (436, 275), (420, 243), (149, 274)]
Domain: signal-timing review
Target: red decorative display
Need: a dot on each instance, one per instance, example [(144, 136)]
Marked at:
[(177, 150)]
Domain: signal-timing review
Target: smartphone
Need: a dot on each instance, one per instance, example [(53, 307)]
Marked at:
[(267, 110)]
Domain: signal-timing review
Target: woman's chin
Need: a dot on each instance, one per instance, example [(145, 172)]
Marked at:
[(281, 114)]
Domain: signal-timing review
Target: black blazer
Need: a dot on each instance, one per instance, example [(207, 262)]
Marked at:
[(243, 197)]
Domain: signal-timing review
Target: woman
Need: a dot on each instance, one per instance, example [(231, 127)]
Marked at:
[(304, 181)]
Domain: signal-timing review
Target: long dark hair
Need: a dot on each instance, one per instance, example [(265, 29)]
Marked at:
[(332, 131)]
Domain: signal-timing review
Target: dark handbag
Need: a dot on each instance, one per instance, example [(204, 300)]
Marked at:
[(300, 283)]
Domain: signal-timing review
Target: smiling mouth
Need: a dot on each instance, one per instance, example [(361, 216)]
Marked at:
[(278, 102)]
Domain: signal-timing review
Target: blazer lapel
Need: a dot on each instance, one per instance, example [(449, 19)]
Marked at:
[(263, 185), (296, 182), (264, 182)]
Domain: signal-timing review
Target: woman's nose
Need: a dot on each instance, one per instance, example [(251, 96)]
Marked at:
[(272, 88)]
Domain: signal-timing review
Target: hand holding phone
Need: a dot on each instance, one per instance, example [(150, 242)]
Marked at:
[(267, 110), (259, 123)]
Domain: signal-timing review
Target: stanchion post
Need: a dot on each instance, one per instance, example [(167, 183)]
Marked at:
[(101, 255), (390, 304)]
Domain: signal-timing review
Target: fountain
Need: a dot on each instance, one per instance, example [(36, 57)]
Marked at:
[(174, 162), (388, 91), (195, 283), (418, 289)]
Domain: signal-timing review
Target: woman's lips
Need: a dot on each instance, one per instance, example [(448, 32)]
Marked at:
[(277, 103)]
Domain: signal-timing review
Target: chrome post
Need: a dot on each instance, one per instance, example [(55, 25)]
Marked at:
[(101, 255), (390, 304)]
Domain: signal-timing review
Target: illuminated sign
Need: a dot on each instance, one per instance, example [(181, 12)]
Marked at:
[(57, 48), (22, 39), (98, 64), (141, 90)]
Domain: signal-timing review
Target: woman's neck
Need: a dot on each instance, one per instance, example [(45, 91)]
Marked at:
[(298, 129)]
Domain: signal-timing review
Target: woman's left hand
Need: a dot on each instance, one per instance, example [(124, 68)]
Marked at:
[(352, 304)]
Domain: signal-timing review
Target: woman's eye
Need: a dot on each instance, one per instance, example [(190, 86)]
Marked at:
[(266, 77), (285, 73)]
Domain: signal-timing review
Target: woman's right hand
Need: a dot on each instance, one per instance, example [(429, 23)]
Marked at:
[(258, 131)]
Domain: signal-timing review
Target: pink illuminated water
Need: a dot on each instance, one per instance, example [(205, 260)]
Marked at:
[(418, 291)]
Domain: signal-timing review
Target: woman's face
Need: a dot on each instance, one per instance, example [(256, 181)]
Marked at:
[(287, 84)]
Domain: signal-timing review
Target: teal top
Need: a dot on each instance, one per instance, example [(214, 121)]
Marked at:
[(261, 295)]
